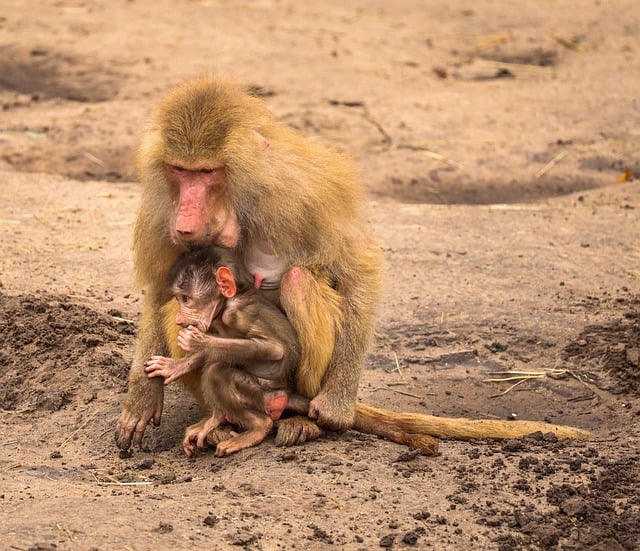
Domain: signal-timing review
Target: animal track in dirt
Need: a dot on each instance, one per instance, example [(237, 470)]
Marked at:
[(54, 352)]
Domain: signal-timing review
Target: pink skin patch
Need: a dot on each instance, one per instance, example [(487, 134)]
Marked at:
[(202, 216), (190, 216), (275, 404)]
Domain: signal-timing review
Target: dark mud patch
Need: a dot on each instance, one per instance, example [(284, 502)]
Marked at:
[(41, 79), (54, 352), (443, 187), (46, 73), (612, 347), (536, 56), (602, 163)]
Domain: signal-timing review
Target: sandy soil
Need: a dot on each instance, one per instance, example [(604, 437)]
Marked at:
[(498, 143)]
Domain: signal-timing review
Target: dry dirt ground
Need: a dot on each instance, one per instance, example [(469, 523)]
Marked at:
[(498, 142)]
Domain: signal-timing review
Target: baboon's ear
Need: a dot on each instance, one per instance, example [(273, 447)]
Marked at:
[(262, 141), (225, 281)]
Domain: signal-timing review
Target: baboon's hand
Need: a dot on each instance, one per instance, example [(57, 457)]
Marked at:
[(191, 339), (160, 366), (141, 406)]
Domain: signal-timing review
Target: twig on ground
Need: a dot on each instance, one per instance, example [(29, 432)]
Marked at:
[(94, 159), (513, 375), (589, 387), (66, 531), (90, 418), (276, 496), (569, 44), (546, 168), (528, 67), (385, 387), (103, 475), (396, 368), (118, 318), (143, 483), (432, 155), (522, 380), (386, 138), (522, 376), (582, 398)]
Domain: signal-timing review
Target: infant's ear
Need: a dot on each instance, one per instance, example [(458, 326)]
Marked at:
[(225, 281)]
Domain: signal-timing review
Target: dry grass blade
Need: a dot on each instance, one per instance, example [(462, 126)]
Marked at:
[(569, 44), (397, 368), (513, 375), (521, 377), (66, 531), (84, 424), (385, 387), (94, 159), (143, 483), (432, 155), (546, 168), (518, 66), (125, 320), (511, 387), (105, 479)]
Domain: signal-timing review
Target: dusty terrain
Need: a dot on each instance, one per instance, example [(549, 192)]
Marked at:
[(498, 143)]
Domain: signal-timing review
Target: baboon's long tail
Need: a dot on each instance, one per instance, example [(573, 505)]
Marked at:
[(418, 430)]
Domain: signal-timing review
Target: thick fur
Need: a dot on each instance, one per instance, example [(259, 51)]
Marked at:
[(458, 428), (301, 199), (315, 327)]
